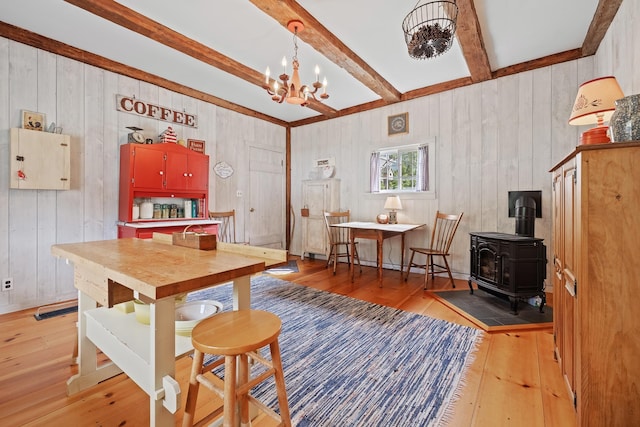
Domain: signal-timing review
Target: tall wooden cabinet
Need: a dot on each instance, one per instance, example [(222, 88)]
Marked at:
[(318, 195), (596, 242)]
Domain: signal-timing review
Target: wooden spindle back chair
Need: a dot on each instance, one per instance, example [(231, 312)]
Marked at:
[(442, 233)]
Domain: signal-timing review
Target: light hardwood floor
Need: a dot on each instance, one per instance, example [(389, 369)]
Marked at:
[(513, 381)]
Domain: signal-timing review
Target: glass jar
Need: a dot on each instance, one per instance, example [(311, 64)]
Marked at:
[(165, 211), (625, 121), (157, 211), (173, 211)]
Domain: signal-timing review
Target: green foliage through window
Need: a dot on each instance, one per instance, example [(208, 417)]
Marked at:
[(399, 169)]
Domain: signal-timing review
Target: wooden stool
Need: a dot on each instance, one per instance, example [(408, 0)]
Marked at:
[(236, 335)]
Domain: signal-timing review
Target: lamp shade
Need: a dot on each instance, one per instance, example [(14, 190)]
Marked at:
[(595, 98), (595, 103), (393, 203)]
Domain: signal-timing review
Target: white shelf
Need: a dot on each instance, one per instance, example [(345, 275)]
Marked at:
[(126, 342), (159, 223)]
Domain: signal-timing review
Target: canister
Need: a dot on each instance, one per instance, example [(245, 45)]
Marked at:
[(135, 214), (173, 211), (165, 211), (157, 211), (146, 209)]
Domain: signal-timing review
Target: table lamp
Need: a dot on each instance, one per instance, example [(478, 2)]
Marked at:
[(393, 203), (595, 103)]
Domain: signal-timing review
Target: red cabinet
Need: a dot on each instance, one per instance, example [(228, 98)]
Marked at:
[(147, 167), (162, 172), (187, 171)]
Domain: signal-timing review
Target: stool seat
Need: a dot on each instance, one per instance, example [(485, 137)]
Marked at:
[(236, 336), (236, 332)]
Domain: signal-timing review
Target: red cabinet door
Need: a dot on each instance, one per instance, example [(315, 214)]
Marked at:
[(187, 172), (199, 172), (177, 173), (148, 168)]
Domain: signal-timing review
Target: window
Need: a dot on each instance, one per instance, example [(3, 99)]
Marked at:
[(401, 169)]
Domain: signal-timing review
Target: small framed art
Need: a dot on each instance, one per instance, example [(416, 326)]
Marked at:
[(32, 120), (196, 145), (398, 124)]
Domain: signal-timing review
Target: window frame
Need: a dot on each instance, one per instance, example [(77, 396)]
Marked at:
[(430, 144)]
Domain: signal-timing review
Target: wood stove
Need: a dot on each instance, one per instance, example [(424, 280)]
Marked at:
[(508, 265)]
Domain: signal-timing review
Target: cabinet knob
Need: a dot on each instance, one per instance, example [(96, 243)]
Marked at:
[(184, 174), (161, 172), (251, 210), (190, 174)]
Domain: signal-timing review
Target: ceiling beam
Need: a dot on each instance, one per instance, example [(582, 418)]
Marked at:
[(605, 12), (471, 42), (40, 42), (325, 42), (118, 14)]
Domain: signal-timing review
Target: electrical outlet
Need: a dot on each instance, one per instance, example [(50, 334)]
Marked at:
[(7, 284)]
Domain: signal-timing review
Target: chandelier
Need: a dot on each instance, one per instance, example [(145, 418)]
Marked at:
[(292, 91), (429, 28)]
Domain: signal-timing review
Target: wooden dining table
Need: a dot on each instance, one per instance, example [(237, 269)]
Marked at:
[(110, 272), (377, 232)]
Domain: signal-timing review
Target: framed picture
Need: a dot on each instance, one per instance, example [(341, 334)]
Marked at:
[(196, 145), (32, 120), (398, 124)]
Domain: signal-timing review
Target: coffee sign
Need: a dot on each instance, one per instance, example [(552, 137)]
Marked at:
[(135, 106)]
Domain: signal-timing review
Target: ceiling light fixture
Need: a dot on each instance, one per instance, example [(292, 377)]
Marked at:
[(293, 92), (429, 28)]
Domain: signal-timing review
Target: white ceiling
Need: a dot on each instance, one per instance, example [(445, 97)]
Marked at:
[(513, 32)]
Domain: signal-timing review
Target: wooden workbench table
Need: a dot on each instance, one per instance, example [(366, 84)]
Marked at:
[(114, 271)]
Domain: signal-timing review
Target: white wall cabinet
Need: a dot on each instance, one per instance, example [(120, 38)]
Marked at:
[(40, 160), (318, 196)]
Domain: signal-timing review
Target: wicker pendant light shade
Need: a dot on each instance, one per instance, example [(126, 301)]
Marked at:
[(429, 28)]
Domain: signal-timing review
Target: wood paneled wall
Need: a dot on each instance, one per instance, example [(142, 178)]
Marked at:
[(82, 99), (493, 137), (500, 135)]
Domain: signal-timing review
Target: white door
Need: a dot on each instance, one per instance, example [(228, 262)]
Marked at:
[(267, 199)]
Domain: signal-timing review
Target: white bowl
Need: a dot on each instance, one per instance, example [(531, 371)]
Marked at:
[(142, 311), (189, 314)]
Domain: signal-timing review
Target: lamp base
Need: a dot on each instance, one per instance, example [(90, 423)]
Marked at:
[(596, 135), (393, 219)]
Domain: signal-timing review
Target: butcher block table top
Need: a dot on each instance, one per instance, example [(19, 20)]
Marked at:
[(158, 270)]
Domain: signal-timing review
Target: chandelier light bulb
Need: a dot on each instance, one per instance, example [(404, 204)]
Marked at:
[(317, 73), (284, 64), (266, 75)]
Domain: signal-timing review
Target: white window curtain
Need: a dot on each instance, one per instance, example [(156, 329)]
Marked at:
[(423, 168), (374, 169)]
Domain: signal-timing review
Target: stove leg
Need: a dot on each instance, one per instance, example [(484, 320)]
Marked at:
[(470, 287), (543, 302), (514, 305)]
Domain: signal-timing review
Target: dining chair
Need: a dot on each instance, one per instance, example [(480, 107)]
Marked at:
[(442, 233), (227, 226), (339, 238)]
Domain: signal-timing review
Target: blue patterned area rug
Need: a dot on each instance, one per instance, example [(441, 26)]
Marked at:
[(352, 363), (290, 267)]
